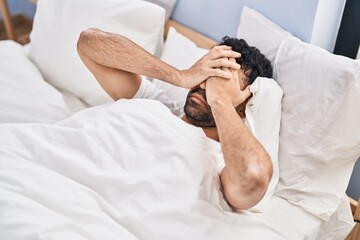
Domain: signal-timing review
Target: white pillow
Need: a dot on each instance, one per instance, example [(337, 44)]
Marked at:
[(57, 26), (182, 53), (320, 125), (24, 95), (168, 5), (72, 102), (259, 31)]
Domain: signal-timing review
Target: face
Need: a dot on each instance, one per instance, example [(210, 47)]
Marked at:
[(198, 111)]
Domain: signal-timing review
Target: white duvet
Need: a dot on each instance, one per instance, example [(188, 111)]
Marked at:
[(127, 170)]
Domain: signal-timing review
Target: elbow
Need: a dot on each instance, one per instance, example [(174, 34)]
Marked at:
[(261, 178), (94, 38), (247, 189), (86, 38)]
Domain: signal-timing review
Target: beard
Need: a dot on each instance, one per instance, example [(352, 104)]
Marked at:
[(197, 110)]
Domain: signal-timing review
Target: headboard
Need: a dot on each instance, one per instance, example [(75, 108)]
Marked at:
[(199, 39)]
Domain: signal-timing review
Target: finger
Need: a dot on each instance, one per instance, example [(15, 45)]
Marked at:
[(218, 47), (224, 62), (232, 60), (226, 69), (224, 53), (220, 73)]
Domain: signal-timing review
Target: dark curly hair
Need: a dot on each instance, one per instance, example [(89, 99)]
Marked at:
[(251, 58)]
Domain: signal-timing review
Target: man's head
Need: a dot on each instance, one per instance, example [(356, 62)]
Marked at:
[(253, 64)]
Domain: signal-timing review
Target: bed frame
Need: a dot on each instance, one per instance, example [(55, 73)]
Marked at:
[(199, 39), (205, 42), (355, 232)]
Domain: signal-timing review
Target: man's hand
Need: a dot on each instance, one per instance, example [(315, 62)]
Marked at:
[(228, 90), (210, 66)]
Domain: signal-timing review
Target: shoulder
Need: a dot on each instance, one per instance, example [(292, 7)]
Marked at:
[(149, 90)]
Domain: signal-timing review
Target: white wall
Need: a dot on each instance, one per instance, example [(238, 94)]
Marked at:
[(314, 21), (25, 7), (216, 18), (327, 23)]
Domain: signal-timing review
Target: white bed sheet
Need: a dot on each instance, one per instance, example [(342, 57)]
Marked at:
[(93, 176), (295, 223), (73, 103)]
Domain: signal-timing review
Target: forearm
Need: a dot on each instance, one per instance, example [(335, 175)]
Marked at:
[(118, 52), (248, 168)]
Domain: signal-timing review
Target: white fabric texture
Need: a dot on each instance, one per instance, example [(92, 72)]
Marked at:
[(24, 95), (72, 102), (319, 140), (58, 24), (261, 32), (263, 113), (182, 53), (168, 5), (149, 90), (296, 223), (340, 223), (125, 170)]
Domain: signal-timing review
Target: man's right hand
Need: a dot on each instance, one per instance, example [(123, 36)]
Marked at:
[(210, 66)]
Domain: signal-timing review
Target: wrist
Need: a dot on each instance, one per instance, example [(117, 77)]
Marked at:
[(220, 106), (167, 73), (219, 103), (177, 77)]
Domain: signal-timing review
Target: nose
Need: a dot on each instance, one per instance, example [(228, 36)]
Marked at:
[(203, 85)]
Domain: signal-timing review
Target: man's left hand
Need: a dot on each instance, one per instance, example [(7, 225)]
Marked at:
[(227, 90)]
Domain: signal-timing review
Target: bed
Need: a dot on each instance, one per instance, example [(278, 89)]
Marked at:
[(62, 177)]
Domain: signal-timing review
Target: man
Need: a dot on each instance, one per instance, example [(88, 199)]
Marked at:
[(219, 89)]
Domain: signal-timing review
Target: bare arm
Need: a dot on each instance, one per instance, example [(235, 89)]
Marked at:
[(117, 63), (248, 167)]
